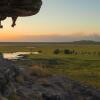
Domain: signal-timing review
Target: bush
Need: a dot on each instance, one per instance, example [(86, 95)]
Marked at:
[(99, 53), (67, 51), (40, 51), (56, 51), (39, 71)]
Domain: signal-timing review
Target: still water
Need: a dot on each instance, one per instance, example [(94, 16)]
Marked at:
[(17, 55)]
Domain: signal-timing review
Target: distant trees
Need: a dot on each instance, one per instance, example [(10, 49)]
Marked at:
[(66, 51), (56, 51), (40, 51), (74, 52)]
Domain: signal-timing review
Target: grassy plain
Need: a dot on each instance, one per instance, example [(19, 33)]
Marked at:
[(83, 66)]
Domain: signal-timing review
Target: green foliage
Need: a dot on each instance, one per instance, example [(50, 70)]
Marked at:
[(67, 51), (56, 51)]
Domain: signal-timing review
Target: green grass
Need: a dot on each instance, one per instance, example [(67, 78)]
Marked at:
[(87, 72), (81, 67)]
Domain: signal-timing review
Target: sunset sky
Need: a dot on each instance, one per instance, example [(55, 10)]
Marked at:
[(58, 20)]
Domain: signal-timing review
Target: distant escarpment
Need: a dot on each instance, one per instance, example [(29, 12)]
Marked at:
[(37, 84)]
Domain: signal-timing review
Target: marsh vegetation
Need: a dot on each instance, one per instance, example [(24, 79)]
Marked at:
[(80, 62)]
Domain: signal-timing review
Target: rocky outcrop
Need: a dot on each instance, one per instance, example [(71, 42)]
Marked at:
[(18, 8), (8, 72), (16, 84), (10, 8)]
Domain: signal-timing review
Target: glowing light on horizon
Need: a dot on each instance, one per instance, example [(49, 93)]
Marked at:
[(57, 17)]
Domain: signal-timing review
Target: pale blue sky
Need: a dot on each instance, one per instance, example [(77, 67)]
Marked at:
[(57, 17)]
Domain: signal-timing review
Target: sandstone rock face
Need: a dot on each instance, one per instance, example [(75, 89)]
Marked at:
[(16, 84)]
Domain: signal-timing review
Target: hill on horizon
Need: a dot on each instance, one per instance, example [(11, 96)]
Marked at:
[(34, 43), (86, 42)]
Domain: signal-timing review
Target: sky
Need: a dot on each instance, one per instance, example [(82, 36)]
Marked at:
[(58, 20)]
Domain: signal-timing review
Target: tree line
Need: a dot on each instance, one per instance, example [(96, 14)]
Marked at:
[(68, 51)]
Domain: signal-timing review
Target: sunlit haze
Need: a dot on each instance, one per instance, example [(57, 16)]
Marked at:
[(58, 20)]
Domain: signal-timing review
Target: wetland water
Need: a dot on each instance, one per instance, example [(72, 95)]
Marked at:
[(17, 55)]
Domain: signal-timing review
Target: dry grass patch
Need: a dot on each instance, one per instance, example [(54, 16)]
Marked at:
[(39, 71)]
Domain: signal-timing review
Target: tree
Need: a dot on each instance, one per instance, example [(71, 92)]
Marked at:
[(67, 51), (40, 51), (56, 51)]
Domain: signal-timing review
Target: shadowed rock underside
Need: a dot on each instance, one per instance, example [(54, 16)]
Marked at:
[(18, 8)]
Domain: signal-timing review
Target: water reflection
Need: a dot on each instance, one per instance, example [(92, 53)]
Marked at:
[(17, 55)]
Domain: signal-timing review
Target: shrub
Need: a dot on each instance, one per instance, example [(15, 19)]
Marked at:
[(98, 53), (56, 51), (40, 51), (67, 51), (39, 71)]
